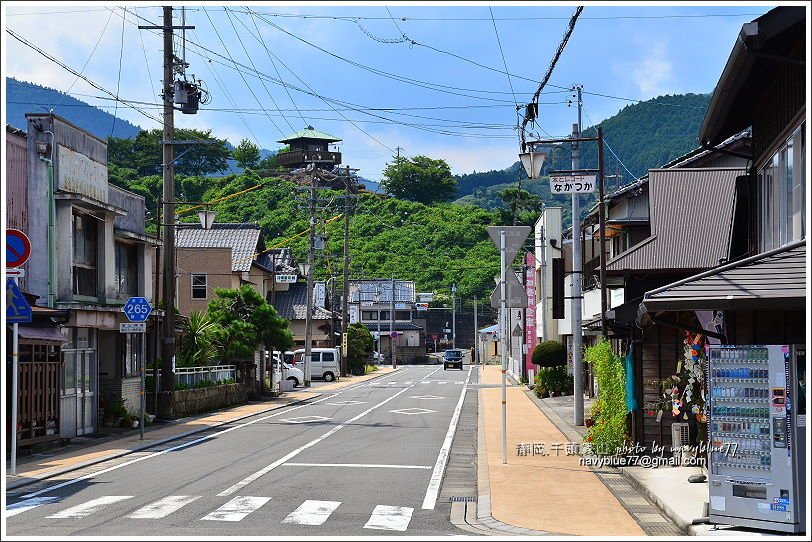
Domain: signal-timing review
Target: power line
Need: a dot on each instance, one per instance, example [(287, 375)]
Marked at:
[(594, 127), (504, 62), (118, 79), (73, 71)]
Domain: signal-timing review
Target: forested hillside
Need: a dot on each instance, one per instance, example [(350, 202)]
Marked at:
[(23, 97), (643, 135)]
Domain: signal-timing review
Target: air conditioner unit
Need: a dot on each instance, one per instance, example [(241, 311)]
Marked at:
[(680, 441)]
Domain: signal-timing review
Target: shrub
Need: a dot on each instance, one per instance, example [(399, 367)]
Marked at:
[(552, 380), (549, 354), (609, 410)]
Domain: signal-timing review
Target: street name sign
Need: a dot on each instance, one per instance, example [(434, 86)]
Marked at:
[(514, 238), (137, 309), (132, 327), (572, 184), (286, 279), (18, 311), (18, 248)]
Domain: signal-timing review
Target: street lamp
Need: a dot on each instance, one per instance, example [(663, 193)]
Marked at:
[(304, 269), (533, 159), (454, 315)]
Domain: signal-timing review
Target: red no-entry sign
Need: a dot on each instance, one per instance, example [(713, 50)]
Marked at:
[(18, 248)]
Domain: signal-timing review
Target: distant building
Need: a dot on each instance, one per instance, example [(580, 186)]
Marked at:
[(309, 146)]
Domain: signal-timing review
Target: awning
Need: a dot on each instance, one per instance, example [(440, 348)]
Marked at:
[(49, 335), (769, 281)]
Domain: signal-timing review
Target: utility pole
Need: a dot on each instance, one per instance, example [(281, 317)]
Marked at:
[(577, 272), (602, 225), (309, 316), (476, 337), (392, 337), (166, 406), (348, 204), (454, 315)]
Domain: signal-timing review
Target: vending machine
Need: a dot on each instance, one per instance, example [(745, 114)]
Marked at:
[(757, 436)]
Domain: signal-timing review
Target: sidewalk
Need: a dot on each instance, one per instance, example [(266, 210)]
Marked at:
[(538, 494), (86, 451)]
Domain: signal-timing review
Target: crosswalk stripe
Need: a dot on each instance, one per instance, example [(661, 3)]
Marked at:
[(28, 504), (237, 508), (163, 507), (312, 512), (85, 509), (390, 518)]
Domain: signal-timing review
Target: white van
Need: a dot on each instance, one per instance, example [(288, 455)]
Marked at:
[(324, 362)]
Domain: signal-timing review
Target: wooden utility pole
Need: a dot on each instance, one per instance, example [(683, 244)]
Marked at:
[(348, 203), (602, 225)]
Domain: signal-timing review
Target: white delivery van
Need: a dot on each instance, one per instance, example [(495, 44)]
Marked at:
[(324, 362)]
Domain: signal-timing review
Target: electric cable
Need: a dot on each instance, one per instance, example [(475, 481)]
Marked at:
[(118, 79)]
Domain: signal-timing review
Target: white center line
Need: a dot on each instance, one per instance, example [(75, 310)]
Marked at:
[(265, 470), (84, 510), (236, 509), (437, 476), (312, 512), (358, 465), (390, 518), (163, 507)]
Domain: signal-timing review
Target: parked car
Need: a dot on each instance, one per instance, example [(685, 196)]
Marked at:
[(293, 374), (324, 362), (377, 357), (452, 358)]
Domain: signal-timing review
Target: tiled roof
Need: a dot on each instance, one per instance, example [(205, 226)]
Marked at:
[(292, 304), (284, 260), (241, 238), (691, 216), (308, 133), (398, 326)]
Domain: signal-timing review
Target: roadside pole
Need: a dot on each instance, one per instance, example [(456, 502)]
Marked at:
[(143, 379), (14, 369), (503, 333), (476, 337)]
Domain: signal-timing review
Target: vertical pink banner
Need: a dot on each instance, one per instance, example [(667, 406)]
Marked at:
[(530, 338)]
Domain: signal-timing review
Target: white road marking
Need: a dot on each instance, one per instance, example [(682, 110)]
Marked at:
[(359, 465), (163, 507), (84, 510), (426, 382), (345, 403), (284, 459), (437, 475), (408, 383), (459, 382), (426, 397), (441, 381), (411, 411), (28, 504), (312, 512), (173, 448), (305, 419), (390, 518), (236, 509)]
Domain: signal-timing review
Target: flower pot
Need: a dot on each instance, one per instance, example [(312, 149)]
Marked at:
[(134, 423)]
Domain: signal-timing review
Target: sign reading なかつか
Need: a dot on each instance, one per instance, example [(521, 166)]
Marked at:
[(572, 184)]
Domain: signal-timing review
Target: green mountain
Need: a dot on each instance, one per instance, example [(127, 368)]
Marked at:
[(23, 97), (643, 135)]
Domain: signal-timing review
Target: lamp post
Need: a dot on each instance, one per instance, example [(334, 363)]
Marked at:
[(454, 315), (305, 269)]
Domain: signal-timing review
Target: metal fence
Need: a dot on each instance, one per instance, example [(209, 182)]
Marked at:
[(191, 376)]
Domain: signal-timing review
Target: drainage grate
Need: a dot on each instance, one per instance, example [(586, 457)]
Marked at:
[(464, 454), (462, 499)]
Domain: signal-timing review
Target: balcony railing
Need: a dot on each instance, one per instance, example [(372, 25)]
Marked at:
[(291, 158)]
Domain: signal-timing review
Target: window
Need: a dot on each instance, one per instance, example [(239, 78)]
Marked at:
[(403, 315), (327, 356), (126, 272), (781, 197), (199, 286), (85, 244), (131, 346), (369, 315)]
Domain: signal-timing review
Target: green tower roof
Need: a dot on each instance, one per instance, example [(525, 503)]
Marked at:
[(309, 133)]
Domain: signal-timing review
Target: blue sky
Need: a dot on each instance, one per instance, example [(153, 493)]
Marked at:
[(427, 79)]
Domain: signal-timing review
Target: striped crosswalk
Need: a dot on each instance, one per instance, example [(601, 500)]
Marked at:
[(310, 512)]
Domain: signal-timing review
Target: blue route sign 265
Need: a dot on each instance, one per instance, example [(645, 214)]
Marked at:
[(137, 309), (18, 311)]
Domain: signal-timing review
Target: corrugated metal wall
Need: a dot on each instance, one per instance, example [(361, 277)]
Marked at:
[(17, 186)]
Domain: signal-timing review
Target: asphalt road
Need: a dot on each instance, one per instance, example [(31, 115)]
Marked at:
[(363, 461)]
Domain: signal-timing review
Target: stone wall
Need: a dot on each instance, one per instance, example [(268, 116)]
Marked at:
[(197, 401)]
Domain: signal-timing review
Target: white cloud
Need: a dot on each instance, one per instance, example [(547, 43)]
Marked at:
[(653, 72)]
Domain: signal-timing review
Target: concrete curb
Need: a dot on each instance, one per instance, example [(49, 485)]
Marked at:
[(685, 526), (57, 472)]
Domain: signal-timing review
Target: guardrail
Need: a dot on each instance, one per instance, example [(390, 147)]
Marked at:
[(190, 376)]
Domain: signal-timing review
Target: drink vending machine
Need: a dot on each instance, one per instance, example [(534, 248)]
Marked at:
[(756, 436)]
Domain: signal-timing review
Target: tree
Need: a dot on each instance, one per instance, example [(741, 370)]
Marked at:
[(421, 179), (521, 206), (269, 162), (548, 354), (246, 154), (359, 347), (145, 152), (195, 347), (243, 321)]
